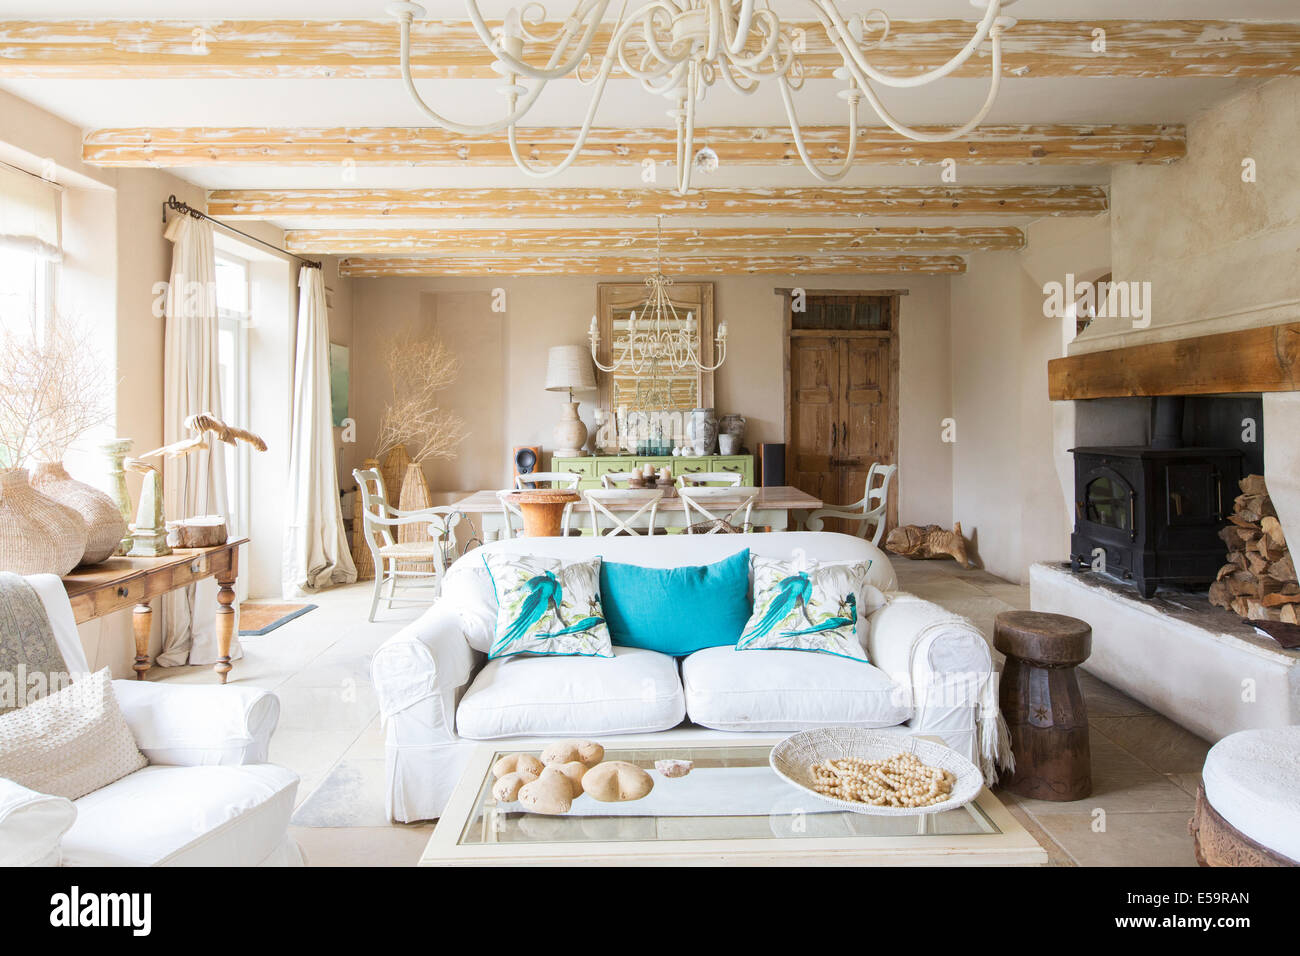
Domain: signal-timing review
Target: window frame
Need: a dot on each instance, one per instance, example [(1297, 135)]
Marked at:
[(235, 408)]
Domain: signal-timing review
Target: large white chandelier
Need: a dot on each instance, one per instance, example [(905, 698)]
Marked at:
[(659, 341), (679, 48)]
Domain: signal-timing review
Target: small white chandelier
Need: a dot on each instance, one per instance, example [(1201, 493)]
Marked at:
[(660, 341), (679, 48)]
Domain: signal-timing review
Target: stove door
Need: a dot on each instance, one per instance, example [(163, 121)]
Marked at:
[(1108, 501)]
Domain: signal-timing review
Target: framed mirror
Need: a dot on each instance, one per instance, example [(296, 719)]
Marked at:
[(623, 392)]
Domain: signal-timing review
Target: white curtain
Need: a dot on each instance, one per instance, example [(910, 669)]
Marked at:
[(316, 551), (196, 483)]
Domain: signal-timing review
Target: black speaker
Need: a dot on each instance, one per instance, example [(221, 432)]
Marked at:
[(771, 464), (526, 459)]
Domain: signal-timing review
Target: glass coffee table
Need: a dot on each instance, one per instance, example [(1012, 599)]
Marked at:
[(730, 809)]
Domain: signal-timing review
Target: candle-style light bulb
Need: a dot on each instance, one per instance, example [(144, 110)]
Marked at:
[(722, 330), (631, 322), (594, 329)]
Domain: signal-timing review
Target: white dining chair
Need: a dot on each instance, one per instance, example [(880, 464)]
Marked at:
[(599, 498), (870, 511), (378, 520), (710, 478), (704, 521), (618, 479)]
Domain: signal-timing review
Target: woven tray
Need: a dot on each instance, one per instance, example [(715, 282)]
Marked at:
[(794, 757)]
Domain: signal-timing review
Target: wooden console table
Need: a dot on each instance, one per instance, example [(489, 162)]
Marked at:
[(120, 583)]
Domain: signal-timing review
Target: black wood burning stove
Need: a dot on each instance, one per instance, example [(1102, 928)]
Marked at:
[(1154, 511)]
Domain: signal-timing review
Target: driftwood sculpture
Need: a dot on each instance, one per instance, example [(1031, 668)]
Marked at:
[(932, 541), (149, 533)]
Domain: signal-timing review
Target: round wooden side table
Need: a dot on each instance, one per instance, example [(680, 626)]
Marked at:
[(543, 510), (1043, 706)]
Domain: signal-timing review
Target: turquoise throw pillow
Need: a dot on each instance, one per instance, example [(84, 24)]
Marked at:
[(676, 611)]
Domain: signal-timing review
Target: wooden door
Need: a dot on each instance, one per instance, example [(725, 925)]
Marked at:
[(865, 426), (814, 415)]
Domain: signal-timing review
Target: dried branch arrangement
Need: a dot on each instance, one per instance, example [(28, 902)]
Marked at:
[(53, 390), (420, 368)]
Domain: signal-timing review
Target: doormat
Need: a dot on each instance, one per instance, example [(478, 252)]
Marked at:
[(258, 619)]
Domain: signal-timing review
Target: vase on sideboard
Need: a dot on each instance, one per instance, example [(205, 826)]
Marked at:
[(38, 535), (105, 526)]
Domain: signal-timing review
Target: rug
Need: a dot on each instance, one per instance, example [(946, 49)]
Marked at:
[(258, 619)]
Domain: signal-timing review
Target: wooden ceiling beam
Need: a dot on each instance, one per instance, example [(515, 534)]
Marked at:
[(587, 265), (545, 203), (450, 49), (730, 243), (1050, 145)]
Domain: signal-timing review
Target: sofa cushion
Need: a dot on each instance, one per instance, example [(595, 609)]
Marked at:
[(547, 607), (676, 611), (184, 816), (802, 607), (777, 690), (636, 691)]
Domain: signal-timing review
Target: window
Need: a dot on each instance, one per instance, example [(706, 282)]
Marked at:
[(846, 312), (233, 311), (26, 290)]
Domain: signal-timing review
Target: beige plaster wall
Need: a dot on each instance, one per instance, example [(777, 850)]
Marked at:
[(501, 390), (1220, 253)]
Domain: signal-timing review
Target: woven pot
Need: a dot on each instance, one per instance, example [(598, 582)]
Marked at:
[(394, 472), (414, 497), (361, 556), (37, 534), (104, 525)]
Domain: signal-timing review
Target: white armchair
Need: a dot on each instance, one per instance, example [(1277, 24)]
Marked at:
[(207, 797), (871, 511)]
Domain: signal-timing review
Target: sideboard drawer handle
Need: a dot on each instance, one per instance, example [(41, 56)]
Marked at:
[(123, 591)]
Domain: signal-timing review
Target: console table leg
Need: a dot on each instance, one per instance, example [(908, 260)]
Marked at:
[(141, 626), (225, 626)]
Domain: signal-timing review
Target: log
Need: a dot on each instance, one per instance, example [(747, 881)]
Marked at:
[(1283, 569), (1279, 598), (206, 531), (1220, 596), (1242, 583), (1289, 614), (1273, 529), (1257, 564), (1253, 507), (1237, 538), (1253, 485)]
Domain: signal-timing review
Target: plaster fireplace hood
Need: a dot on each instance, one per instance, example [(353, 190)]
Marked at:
[(1205, 668)]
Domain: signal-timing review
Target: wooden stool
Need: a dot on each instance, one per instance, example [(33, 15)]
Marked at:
[(1043, 706)]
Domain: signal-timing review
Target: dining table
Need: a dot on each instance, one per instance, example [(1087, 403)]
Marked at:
[(772, 509)]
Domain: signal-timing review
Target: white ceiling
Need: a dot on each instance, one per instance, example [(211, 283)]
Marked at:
[(98, 103)]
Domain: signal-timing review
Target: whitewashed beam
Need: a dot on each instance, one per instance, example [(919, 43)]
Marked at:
[(544, 202), (368, 49), (732, 243), (1052, 145), (547, 265)]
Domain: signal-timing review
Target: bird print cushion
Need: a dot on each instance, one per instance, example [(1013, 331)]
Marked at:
[(547, 606), (799, 607)]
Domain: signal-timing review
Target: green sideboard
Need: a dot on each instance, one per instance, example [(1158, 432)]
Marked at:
[(591, 467)]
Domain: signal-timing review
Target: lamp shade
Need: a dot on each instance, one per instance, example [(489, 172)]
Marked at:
[(569, 367)]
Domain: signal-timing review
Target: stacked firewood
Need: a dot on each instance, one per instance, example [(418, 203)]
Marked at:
[(1259, 580)]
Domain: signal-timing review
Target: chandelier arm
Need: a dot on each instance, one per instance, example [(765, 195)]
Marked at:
[(826, 9), (769, 47), (667, 83), (552, 72), (951, 134), (541, 173), (645, 19), (797, 133), (465, 129), (728, 70), (686, 144), (744, 19)]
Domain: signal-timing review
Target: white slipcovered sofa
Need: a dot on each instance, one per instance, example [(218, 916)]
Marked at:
[(207, 798), (931, 672)]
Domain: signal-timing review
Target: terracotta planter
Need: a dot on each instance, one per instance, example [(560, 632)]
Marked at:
[(37, 534), (104, 525)]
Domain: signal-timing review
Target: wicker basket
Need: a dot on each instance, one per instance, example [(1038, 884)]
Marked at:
[(794, 757), (37, 534), (105, 527), (361, 556)]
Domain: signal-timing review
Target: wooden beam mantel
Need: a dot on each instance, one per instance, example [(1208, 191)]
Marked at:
[(874, 201), (1051, 145), (1265, 359), (609, 265), (451, 49), (713, 242)]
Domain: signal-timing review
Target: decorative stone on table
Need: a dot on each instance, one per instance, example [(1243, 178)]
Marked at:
[(674, 768)]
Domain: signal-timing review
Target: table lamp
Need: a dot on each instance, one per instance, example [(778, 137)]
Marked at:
[(568, 367)]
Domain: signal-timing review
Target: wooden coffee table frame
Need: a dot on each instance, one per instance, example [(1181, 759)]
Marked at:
[(1012, 846)]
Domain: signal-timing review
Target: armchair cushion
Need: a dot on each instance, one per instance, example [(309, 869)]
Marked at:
[(189, 725), (31, 825), (71, 742), (184, 816)]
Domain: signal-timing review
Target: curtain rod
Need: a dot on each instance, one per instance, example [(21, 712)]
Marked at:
[(183, 207), (27, 172)]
